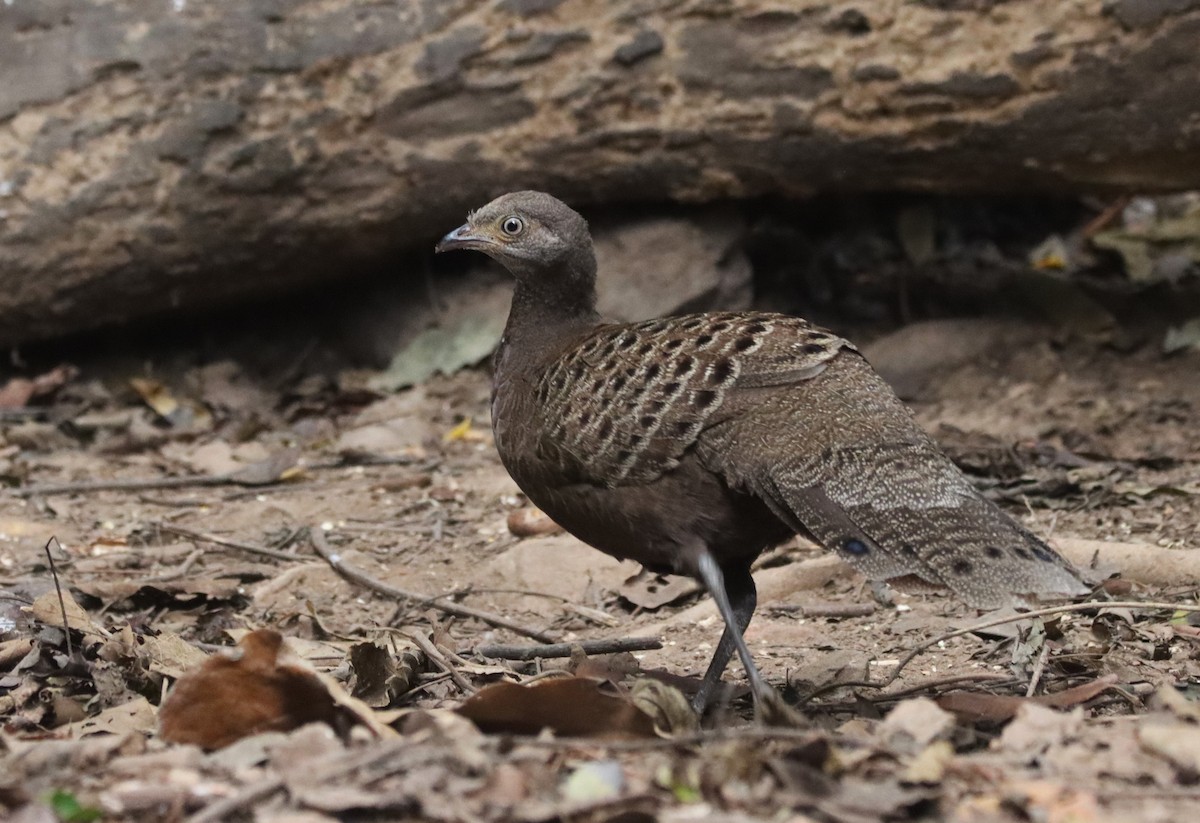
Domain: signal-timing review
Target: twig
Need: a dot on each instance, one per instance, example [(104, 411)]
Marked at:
[(62, 603), (19, 415), (1106, 216), (547, 674), (425, 684), (987, 624), (360, 459), (174, 504), (357, 575), (826, 609), (230, 479), (1036, 676), (435, 654), (995, 678), (222, 541), (132, 485), (596, 616), (181, 570), (503, 651)]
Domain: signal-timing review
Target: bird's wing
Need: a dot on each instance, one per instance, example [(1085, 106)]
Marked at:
[(837, 455), (626, 404)]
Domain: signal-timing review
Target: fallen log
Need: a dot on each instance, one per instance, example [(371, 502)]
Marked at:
[(158, 156)]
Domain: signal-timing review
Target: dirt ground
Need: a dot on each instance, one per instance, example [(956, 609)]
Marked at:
[(1086, 715)]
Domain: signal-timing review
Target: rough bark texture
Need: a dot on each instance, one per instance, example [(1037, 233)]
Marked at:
[(154, 155)]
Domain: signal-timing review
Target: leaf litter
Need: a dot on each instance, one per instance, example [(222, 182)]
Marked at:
[(220, 667)]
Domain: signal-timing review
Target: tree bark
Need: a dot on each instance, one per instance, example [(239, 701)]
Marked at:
[(158, 155)]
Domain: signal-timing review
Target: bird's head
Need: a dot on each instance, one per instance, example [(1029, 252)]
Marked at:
[(533, 235)]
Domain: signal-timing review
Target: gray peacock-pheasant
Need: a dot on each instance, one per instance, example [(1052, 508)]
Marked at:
[(693, 443)]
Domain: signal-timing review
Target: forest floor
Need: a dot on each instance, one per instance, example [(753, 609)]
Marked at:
[(1087, 715)]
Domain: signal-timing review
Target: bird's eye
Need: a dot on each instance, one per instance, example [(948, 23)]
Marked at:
[(513, 225)]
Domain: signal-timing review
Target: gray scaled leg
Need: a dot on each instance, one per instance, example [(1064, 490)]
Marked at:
[(733, 590)]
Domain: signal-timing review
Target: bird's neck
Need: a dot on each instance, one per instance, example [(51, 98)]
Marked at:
[(552, 307)]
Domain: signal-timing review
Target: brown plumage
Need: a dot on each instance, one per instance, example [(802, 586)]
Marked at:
[(693, 443)]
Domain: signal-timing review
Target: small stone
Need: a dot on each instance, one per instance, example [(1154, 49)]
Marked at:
[(531, 522), (645, 43), (874, 72)]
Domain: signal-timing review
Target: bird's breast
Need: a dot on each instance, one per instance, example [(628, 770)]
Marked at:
[(515, 416)]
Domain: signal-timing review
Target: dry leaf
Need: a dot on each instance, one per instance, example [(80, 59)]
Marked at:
[(260, 687), (1037, 729), (569, 706), (1177, 742), (464, 432), (13, 651), (135, 716), (155, 395), (1053, 802), (914, 724), (48, 611), (379, 676), (186, 414), (167, 653), (1169, 698), (18, 391), (996, 708), (1051, 253), (667, 705), (653, 591), (930, 765), (316, 653)]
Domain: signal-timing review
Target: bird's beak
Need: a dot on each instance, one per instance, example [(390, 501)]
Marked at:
[(464, 237)]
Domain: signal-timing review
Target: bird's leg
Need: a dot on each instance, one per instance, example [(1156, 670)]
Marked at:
[(735, 595)]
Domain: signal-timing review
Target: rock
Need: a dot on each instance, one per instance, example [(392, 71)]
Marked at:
[(910, 357), (654, 265), (558, 565), (457, 325), (389, 439), (663, 265), (392, 426)]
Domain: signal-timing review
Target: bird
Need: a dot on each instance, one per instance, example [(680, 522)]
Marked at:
[(693, 443)]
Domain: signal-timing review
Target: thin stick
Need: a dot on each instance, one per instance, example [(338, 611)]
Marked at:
[(223, 541), (503, 651), (826, 609), (1038, 667), (133, 485), (357, 575), (921, 688), (62, 603), (7, 415), (1105, 216), (987, 624), (231, 479), (181, 570), (435, 654)]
